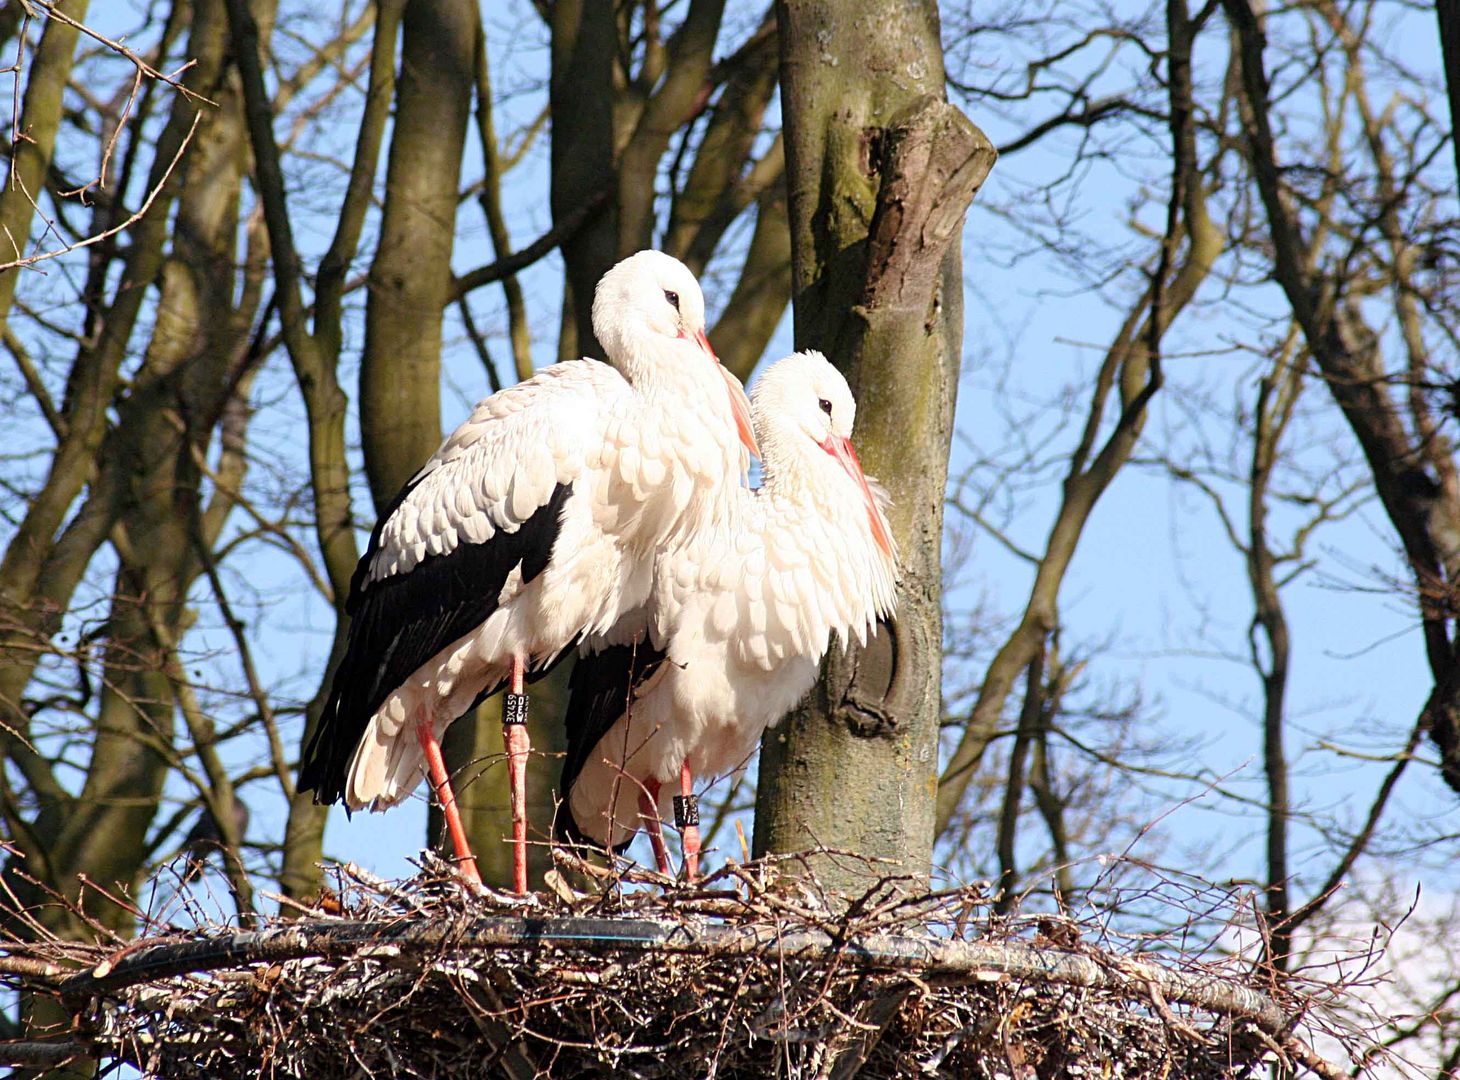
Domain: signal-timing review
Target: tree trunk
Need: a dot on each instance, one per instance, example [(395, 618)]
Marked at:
[(880, 171), (755, 308), (1415, 478), (45, 85), (144, 496), (315, 356), (1448, 12), (143, 477), (410, 277), (581, 98)]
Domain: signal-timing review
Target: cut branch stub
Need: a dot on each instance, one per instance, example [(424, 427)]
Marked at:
[(872, 696), (933, 161)]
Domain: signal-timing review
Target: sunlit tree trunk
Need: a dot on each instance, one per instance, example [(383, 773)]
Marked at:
[(880, 171), (410, 277), (44, 87)]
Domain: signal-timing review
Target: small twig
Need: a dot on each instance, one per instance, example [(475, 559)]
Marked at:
[(143, 67), (543, 245), (33, 969), (42, 256), (44, 1054)]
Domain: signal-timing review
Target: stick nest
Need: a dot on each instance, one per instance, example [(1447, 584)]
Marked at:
[(752, 973)]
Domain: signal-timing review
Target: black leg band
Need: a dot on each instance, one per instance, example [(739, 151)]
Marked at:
[(514, 708), (686, 810)]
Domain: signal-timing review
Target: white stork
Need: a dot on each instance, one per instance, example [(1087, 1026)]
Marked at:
[(531, 529), (742, 615)]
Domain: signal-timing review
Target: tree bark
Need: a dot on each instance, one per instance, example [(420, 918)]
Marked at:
[(91, 385), (314, 355), (581, 97), (762, 290), (40, 111), (144, 496), (880, 171), (169, 415), (40, 576), (713, 192), (410, 278), (1448, 13)]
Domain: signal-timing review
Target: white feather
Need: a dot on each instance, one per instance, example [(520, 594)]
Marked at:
[(649, 446), (746, 614)]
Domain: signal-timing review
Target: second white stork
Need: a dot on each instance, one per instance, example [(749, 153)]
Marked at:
[(532, 528), (741, 620)]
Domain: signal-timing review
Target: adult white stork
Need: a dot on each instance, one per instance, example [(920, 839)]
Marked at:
[(532, 528), (742, 618)]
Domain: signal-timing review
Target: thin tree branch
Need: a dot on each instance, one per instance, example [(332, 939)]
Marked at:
[(560, 233)]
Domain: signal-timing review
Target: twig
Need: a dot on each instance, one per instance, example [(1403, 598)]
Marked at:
[(143, 67), (547, 242), (44, 1054), (31, 260)]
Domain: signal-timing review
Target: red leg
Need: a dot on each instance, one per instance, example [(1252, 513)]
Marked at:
[(649, 812), (687, 817), (441, 783), (518, 744)]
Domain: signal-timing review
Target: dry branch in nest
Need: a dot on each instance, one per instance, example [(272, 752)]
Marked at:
[(751, 973)]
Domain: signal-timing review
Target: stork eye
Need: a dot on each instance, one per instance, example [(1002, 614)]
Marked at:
[(673, 298), (825, 406)]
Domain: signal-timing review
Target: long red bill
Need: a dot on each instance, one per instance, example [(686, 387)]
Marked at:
[(841, 449), (739, 403)]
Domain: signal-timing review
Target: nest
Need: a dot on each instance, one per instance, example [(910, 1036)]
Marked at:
[(751, 973)]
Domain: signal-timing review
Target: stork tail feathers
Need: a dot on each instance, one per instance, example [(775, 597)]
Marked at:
[(593, 780), (385, 769)]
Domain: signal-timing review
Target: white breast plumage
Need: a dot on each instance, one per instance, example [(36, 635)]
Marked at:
[(530, 529), (742, 616)]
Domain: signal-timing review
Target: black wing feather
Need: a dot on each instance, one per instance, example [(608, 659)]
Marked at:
[(400, 622), (599, 691)]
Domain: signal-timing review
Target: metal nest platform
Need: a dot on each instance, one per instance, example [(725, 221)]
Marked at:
[(751, 973)]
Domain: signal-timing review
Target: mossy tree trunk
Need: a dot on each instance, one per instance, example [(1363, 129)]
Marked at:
[(880, 171)]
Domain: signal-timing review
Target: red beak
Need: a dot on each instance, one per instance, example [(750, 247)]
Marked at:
[(739, 403), (841, 449)]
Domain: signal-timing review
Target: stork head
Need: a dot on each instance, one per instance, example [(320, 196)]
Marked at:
[(648, 310), (803, 412)]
